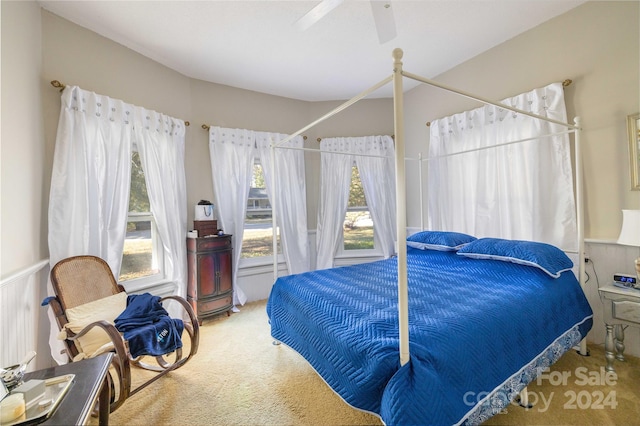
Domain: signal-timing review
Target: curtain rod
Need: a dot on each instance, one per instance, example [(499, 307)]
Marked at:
[(207, 127), (320, 139), (61, 86), (565, 83)]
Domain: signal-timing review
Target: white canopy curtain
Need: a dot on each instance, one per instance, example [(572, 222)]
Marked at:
[(374, 157), (515, 191), (232, 154), (90, 183)]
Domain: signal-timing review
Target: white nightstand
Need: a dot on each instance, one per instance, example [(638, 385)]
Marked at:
[(621, 309)]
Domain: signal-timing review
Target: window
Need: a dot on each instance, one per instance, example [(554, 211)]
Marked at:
[(257, 240), (143, 255), (358, 233)]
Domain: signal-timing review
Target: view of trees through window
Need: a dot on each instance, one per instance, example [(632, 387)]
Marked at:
[(358, 233), (257, 238), (358, 226), (138, 258)]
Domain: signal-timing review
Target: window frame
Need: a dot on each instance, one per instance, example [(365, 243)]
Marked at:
[(342, 253), (252, 262), (158, 254)]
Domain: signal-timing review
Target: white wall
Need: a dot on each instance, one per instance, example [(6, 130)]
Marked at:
[(23, 153), (23, 186)]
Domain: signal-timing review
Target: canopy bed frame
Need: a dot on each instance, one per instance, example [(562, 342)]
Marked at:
[(402, 272)]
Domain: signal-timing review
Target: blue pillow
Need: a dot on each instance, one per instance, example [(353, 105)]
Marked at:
[(439, 240), (549, 258)]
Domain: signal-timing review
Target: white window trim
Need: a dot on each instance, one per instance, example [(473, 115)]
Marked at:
[(246, 263), (346, 254), (158, 256), (251, 262), (263, 267), (157, 287)]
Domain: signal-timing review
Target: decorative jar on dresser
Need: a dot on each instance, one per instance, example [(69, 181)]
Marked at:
[(210, 284)]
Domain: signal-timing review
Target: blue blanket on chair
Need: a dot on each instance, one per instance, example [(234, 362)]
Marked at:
[(147, 327)]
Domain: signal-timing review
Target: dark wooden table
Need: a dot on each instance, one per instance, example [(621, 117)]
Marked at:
[(91, 383)]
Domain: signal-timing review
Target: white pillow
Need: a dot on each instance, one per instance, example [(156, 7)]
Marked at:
[(107, 308)]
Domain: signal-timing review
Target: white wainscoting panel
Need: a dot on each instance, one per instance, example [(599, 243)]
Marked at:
[(24, 325)]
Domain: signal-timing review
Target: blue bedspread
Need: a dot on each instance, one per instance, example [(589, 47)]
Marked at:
[(479, 331)]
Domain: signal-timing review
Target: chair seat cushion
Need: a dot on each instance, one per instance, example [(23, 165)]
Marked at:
[(107, 308)]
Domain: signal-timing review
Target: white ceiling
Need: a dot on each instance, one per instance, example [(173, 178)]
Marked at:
[(254, 44)]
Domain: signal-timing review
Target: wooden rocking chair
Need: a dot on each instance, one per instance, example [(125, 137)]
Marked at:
[(87, 283)]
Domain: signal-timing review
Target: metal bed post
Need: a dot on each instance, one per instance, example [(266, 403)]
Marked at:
[(485, 100), (336, 110), (401, 207), (274, 224), (580, 218), (421, 194)]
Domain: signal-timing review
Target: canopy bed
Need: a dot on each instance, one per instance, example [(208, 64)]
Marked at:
[(450, 330)]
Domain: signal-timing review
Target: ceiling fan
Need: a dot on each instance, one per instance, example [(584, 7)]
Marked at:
[(382, 15)]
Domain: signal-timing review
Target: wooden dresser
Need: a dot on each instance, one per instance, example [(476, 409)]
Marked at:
[(210, 285)]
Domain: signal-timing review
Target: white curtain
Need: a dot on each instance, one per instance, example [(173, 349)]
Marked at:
[(89, 197), (517, 191), (335, 179), (232, 153), (378, 181), (91, 177), (290, 196), (160, 142)]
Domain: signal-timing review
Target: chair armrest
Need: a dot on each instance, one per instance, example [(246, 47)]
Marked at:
[(61, 319), (116, 338), (58, 312), (195, 326), (121, 361)]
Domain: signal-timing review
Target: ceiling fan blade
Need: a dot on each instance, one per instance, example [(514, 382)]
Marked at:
[(384, 19), (317, 13)]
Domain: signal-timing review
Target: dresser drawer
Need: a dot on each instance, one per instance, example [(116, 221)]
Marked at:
[(214, 306), (209, 243), (626, 310)]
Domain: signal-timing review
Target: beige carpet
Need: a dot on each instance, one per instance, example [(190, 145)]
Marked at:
[(239, 378)]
